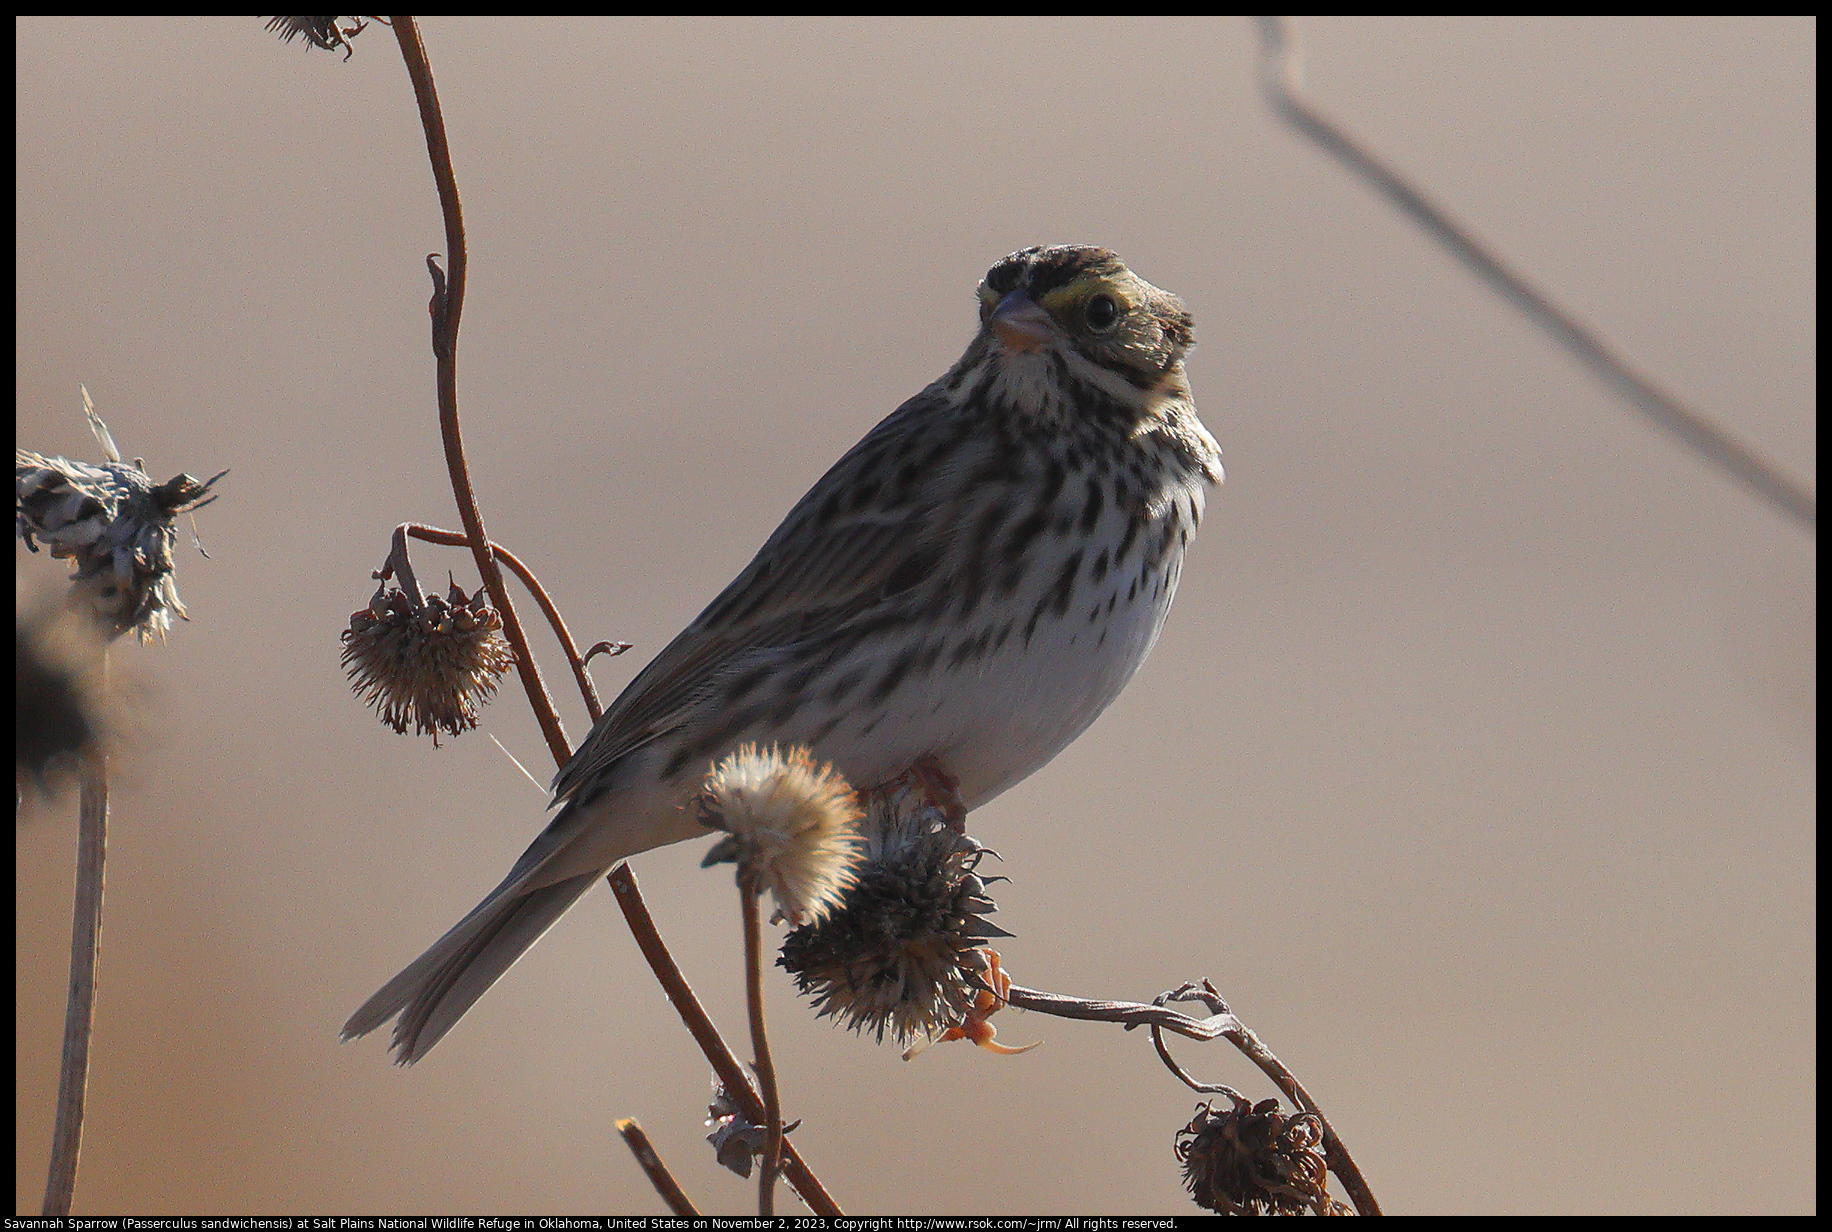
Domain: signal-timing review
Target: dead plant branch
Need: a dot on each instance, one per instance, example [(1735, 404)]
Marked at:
[(1280, 73)]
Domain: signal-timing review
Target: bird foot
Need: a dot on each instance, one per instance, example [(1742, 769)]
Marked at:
[(941, 789), (976, 1025)]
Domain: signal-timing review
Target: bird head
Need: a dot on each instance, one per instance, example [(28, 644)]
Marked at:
[(1079, 306)]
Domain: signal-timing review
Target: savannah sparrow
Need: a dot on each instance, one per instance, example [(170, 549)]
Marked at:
[(968, 588)]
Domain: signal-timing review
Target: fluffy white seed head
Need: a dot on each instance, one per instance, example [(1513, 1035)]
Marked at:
[(792, 827)]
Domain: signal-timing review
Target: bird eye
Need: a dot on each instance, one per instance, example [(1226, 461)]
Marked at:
[(1101, 312)]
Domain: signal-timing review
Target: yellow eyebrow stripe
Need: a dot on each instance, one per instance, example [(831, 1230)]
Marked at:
[(1064, 296)]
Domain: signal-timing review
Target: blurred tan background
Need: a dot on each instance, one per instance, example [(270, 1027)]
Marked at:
[(1475, 763)]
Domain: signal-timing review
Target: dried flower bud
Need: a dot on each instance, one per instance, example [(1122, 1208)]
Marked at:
[(791, 826), (905, 951), (432, 662), (735, 1141), (116, 525), (1253, 1159), (321, 32)]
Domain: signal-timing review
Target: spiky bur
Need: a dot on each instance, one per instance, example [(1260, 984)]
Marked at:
[(1253, 1159), (432, 663), (117, 526), (791, 827), (905, 952)]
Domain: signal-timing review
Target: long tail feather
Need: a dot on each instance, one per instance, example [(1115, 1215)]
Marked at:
[(436, 989)]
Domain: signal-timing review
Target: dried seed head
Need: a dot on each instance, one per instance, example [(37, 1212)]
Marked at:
[(736, 1141), (431, 663), (905, 951), (322, 32), (791, 825), (1253, 1159), (116, 525)]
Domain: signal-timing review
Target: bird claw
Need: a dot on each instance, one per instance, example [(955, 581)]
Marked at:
[(942, 790), (976, 1025)]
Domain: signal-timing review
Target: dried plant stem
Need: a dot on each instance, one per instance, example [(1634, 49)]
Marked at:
[(79, 1007), (724, 1062), (1220, 1024), (760, 1044), (1128, 1014), (447, 306), (1280, 66), (651, 1163), (452, 538)]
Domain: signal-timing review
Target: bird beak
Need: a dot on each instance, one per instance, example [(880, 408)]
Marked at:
[(1020, 324)]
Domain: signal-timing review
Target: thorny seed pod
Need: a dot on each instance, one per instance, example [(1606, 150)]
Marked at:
[(791, 826), (116, 525), (1253, 1159), (431, 663), (905, 951)]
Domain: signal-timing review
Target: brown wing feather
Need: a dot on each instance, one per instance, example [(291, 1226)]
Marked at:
[(823, 567)]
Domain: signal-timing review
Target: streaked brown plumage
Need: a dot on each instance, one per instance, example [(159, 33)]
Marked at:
[(972, 584)]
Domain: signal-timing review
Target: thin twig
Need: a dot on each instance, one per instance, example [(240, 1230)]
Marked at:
[(1129, 1014), (651, 1162), (1220, 1024), (760, 1046), (399, 566), (724, 1062), (556, 622), (1183, 1075), (447, 306), (79, 1008), (1280, 69)]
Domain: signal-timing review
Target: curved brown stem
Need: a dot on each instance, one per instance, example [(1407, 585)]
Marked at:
[(447, 306), (556, 622), (1220, 1024), (1183, 1075), (724, 1062)]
